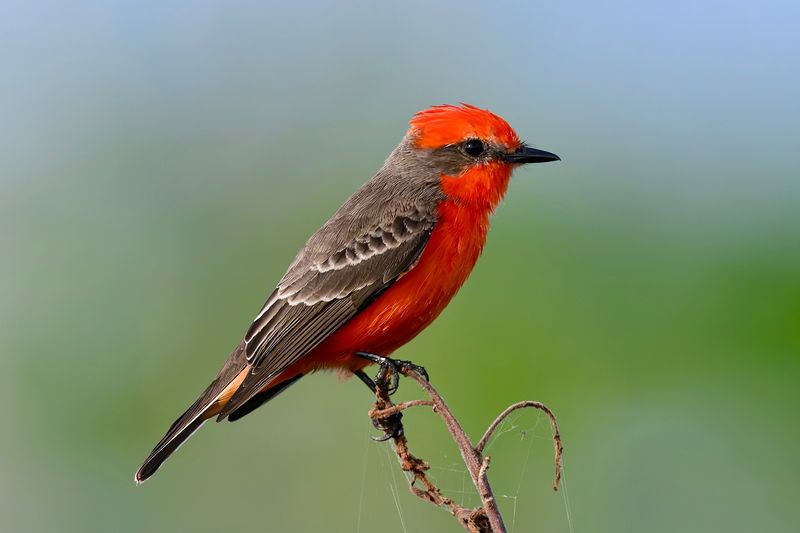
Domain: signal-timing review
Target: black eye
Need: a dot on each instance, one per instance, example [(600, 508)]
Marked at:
[(473, 147)]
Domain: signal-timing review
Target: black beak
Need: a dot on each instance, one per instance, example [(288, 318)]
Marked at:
[(526, 154)]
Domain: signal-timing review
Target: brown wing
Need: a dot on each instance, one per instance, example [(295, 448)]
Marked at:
[(323, 290)]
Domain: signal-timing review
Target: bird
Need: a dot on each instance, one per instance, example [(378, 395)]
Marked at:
[(378, 272)]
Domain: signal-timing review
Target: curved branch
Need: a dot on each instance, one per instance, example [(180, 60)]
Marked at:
[(394, 409), (485, 519), (559, 448)]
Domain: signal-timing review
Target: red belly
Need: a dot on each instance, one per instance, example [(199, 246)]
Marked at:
[(412, 303)]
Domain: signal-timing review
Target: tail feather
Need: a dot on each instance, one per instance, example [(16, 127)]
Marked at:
[(177, 435), (260, 399), (206, 406)]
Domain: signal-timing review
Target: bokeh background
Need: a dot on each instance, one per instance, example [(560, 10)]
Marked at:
[(161, 163)]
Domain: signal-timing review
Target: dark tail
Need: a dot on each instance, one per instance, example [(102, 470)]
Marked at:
[(261, 398), (178, 432), (202, 409)]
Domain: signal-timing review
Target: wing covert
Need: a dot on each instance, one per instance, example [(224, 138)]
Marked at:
[(322, 291)]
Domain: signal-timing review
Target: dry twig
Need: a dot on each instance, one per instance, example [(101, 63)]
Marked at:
[(485, 519)]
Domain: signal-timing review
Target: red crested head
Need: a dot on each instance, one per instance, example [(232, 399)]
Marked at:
[(444, 125), (474, 150)]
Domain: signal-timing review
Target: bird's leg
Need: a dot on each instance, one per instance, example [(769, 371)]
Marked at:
[(396, 366), (381, 378), (366, 380), (408, 365), (384, 386), (391, 425)]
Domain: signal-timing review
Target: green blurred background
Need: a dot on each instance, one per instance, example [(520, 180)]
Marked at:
[(161, 163)]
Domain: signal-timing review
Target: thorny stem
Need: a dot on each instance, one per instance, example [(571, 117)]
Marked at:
[(485, 519)]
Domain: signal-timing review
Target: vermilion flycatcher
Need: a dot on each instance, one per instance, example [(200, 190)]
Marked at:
[(378, 272)]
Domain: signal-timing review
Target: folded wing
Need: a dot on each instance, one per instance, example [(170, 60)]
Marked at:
[(328, 284)]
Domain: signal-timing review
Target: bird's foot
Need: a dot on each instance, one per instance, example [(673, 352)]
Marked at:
[(386, 382), (388, 376), (392, 427), (408, 366)]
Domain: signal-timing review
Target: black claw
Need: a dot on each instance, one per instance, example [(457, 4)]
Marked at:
[(395, 379), (391, 427), (408, 365), (387, 364), (382, 378)]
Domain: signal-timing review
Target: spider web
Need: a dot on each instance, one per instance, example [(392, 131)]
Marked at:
[(517, 439)]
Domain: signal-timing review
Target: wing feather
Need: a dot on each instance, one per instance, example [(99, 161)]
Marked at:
[(322, 291)]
